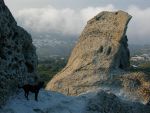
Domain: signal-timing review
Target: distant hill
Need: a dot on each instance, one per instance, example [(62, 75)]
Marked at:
[(53, 45), (139, 49)]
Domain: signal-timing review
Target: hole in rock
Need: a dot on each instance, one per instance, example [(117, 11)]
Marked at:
[(9, 53), (16, 59), (109, 51), (16, 42), (3, 44), (116, 13), (9, 65), (15, 34), (9, 46), (134, 83), (97, 18), (101, 49), (3, 57)]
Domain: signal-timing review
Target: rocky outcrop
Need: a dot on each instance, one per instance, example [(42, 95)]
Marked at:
[(102, 48), (105, 102), (136, 85), (93, 102), (18, 58)]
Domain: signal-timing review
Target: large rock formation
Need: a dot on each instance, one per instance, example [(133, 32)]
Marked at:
[(101, 49), (18, 59)]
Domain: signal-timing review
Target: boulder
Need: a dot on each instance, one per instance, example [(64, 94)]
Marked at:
[(136, 86), (18, 59), (101, 49)]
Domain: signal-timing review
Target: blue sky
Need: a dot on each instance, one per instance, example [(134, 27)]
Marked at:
[(70, 16)]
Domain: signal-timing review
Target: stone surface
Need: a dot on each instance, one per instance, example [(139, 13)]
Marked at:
[(93, 102), (18, 58), (102, 48), (104, 102), (136, 85)]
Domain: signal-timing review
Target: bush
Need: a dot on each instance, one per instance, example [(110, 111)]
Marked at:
[(48, 68)]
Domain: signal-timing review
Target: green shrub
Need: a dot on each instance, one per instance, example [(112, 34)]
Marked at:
[(48, 68)]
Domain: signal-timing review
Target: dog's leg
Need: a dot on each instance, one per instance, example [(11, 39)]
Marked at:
[(27, 95), (36, 96)]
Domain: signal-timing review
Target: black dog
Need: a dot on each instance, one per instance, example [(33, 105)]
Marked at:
[(32, 88)]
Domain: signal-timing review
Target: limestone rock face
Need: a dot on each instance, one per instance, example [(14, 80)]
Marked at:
[(102, 48), (18, 59)]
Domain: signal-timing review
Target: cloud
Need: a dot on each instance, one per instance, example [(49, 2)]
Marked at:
[(67, 21), (71, 22), (139, 27)]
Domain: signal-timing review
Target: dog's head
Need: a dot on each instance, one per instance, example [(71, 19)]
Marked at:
[(41, 84)]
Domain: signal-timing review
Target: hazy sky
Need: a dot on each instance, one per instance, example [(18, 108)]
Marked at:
[(70, 16), (75, 4)]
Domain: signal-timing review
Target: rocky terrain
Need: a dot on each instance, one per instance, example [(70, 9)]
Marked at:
[(98, 71), (18, 60), (92, 102)]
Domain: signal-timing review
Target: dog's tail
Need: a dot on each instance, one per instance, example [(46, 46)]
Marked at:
[(19, 86)]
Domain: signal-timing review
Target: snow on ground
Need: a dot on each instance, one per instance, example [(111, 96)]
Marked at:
[(48, 102)]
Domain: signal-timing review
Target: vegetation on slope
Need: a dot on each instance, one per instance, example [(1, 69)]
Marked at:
[(143, 67), (48, 68)]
